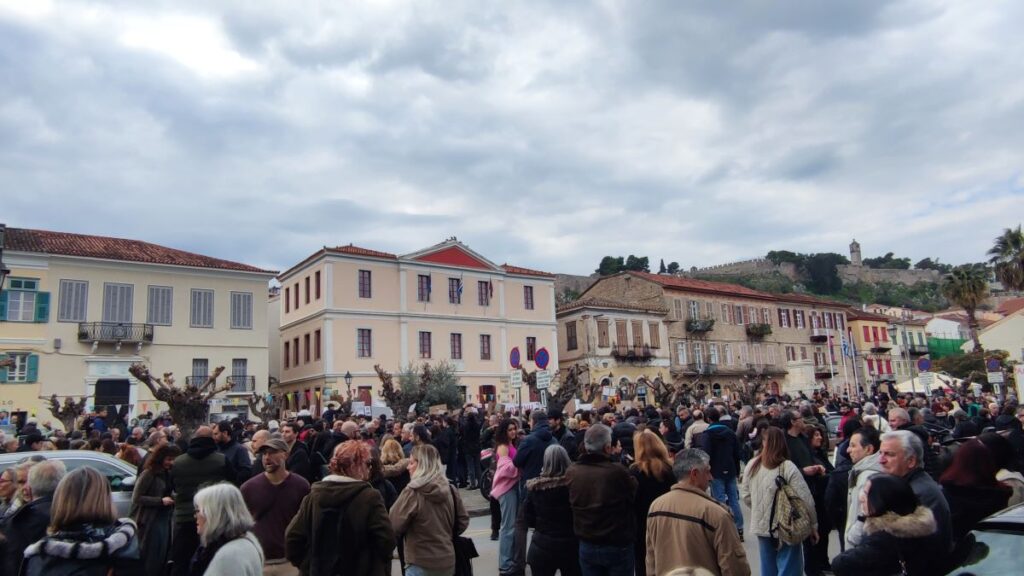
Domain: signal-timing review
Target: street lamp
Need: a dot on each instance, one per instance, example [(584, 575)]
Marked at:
[(348, 380)]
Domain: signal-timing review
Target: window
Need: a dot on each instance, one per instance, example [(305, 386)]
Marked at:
[(798, 317), (867, 334), (485, 346), (920, 340), (316, 345), (815, 321), (365, 284), (239, 372), (790, 354), (531, 347), (771, 355), (25, 369), (316, 283), (710, 308), (200, 370), (570, 335), (528, 297), (677, 309), (757, 357), (456, 345), (21, 301), (306, 352), (295, 292), (74, 295), (871, 367), (766, 316), (874, 333), (117, 303), (287, 299), (483, 293), (295, 351), (698, 354), (423, 288), (681, 353), (287, 354), (803, 352), (726, 313), (241, 310), (638, 334), (888, 366), (364, 343), (655, 328), (713, 352), (425, 351), (202, 308), (744, 354), (455, 291), (752, 315), (602, 333), (159, 309), (694, 310), (783, 318), (739, 314), (307, 289), (828, 321), (620, 334)]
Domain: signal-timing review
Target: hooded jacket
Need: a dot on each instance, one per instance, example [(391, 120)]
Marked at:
[(89, 551), (200, 464), (891, 543), (341, 519), (859, 475), (238, 456), (530, 453), (425, 515), (720, 442), (968, 505)]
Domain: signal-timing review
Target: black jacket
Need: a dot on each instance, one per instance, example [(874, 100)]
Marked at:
[(530, 455), (238, 457), (568, 441), (890, 540), (547, 509), (471, 432), (86, 551), (968, 505), (23, 527), (201, 464), (720, 442), (603, 496), (299, 461)]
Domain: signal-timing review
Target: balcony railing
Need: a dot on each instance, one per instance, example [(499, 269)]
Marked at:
[(885, 377), (917, 349), (819, 336), (765, 368), (879, 346), (241, 384), (632, 353), (704, 369), (114, 332), (823, 370), (700, 325), (757, 330)]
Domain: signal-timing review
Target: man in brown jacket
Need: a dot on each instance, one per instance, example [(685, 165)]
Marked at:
[(688, 528)]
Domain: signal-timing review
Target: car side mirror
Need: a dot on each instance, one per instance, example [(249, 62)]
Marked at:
[(128, 482)]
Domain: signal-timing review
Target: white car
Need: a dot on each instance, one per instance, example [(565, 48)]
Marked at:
[(119, 473)]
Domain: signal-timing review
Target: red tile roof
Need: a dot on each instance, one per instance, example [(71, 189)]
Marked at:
[(357, 251), (855, 314), (681, 283), (525, 271), (602, 303), (1010, 306), (807, 299), (68, 244)]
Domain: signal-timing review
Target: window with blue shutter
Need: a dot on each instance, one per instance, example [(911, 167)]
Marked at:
[(3, 370), (3, 306), (33, 368), (42, 306), (24, 370)]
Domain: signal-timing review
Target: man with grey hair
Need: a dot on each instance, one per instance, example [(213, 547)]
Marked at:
[(688, 528), (902, 454), (602, 495), (28, 523)]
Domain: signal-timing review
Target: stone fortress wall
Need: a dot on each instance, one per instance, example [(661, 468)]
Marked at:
[(754, 266)]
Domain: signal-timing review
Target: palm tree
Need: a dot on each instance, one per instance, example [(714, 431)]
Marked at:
[(967, 287), (1007, 254)]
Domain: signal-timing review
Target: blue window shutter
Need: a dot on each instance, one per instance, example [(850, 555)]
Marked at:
[(42, 306), (3, 371), (33, 368), (3, 306)]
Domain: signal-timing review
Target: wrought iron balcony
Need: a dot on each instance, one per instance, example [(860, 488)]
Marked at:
[(885, 378), (819, 336), (757, 330), (764, 369), (917, 349), (700, 325), (114, 332), (823, 370), (880, 346), (632, 353), (704, 369), (241, 384)]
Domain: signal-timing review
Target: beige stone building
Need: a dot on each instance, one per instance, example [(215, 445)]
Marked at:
[(78, 310), (346, 309), (720, 335), (620, 344)]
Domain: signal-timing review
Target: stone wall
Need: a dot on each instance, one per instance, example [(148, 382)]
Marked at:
[(849, 273), (578, 284), (753, 266)]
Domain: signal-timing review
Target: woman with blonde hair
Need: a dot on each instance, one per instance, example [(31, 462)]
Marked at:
[(653, 472), (343, 522), (396, 465), (226, 545), (85, 535), (758, 491), (428, 514)]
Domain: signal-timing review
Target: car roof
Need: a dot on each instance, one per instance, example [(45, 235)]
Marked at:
[(11, 458), (1011, 519)]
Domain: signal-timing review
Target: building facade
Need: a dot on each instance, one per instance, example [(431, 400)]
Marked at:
[(78, 310), (345, 310), (620, 344), (722, 335), (872, 349)]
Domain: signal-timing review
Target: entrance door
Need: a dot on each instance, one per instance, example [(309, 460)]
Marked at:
[(112, 392)]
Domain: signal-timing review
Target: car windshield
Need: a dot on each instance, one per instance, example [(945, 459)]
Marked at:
[(996, 552)]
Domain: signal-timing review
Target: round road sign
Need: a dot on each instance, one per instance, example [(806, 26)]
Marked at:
[(924, 364), (992, 364), (541, 358), (513, 357)]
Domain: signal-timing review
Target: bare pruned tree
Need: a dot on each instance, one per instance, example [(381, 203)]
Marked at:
[(401, 398), (189, 405), (68, 413)]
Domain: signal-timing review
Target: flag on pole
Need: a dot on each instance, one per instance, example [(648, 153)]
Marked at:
[(430, 278), (846, 348), (490, 289), (459, 289)]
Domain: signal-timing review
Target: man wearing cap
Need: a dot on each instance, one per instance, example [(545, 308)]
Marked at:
[(566, 438), (273, 499)]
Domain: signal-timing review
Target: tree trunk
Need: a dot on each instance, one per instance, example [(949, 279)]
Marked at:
[(972, 324)]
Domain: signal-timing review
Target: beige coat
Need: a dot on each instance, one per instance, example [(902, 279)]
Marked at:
[(758, 492), (688, 528), (425, 514)]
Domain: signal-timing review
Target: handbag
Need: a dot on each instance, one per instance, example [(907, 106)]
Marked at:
[(465, 549)]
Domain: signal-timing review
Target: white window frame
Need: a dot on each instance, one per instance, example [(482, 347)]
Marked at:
[(369, 353), (681, 353), (17, 374), (698, 354), (727, 354), (197, 299), (713, 354)]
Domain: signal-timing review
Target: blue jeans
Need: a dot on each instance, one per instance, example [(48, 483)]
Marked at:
[(412, 570), (598, 560), (509, 503), (725, 492), (789, 561)]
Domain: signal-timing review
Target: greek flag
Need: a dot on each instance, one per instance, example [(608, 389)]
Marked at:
[(459, 289), (846, 348)]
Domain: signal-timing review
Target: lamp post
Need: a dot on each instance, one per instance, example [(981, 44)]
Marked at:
[(348, 382)]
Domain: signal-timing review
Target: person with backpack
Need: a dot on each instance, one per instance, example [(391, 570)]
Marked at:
[(342, 526), (781, 507)]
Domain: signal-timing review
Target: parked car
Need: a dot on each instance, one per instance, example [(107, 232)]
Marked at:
[(995, 544), (119, 473)]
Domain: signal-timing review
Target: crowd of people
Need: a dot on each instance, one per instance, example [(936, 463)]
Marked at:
[(610, 491)]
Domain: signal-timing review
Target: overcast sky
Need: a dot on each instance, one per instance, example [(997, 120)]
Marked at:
[(543, 134)]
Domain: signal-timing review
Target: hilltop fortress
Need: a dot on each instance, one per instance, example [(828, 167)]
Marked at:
[(850, 273)]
